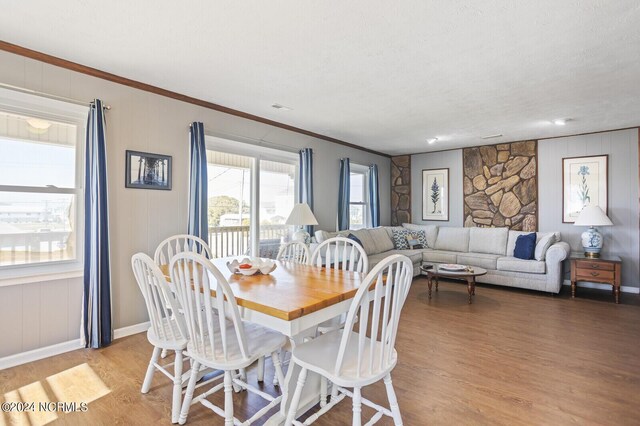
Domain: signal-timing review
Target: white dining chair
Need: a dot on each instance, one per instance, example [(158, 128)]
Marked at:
[(167, 331), (179, 244), (364, 356), (294, 251), (340, 253), (223, 341)]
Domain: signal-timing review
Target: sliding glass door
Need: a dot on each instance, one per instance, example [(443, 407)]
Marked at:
[(250, 198)]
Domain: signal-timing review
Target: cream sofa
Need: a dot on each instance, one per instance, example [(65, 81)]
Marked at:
[(488, 248)]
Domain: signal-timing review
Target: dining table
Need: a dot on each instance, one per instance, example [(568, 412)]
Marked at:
[(293, 299)]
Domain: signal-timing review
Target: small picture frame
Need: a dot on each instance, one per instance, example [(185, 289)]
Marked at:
[(145, 170), (584, 181), (435, 194)]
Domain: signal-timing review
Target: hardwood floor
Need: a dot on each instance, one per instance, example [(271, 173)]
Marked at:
[(512, 357)]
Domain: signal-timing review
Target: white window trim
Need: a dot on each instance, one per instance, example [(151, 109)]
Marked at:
[(49, 109), (363, 170), (257, 153)]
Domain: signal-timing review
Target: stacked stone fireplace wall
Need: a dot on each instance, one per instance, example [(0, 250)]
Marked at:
[(500, 186), (400, 190)]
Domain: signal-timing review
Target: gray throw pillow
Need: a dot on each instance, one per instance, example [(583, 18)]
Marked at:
[(543, 245)]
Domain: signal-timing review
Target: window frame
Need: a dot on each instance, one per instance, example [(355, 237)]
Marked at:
[(364, 171), (26, 104), (257, 153)]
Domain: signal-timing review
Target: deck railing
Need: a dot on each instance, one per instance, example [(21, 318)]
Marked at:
[(29, 247), (235, 240)]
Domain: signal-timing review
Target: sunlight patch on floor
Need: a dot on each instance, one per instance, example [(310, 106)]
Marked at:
[(77, 384), (70, 387), (36, 392)]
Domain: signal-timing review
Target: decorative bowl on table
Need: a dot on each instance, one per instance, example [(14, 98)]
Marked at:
[(251, 266), (452, 267)]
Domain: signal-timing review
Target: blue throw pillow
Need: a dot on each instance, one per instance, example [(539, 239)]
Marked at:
[(525, 246), (356, 239)]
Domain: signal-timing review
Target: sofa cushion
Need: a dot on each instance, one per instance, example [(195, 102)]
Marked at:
[(543, 244), (430, 232), (486, 261), (324, 235), (513, 236), (381, 239), (488, 240), (367, 242), (452, 239), (518, 265), (440, 256), (414, 255), (417, 240)]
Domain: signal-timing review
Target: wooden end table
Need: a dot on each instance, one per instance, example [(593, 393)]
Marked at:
[(604, 269), (469, 275)]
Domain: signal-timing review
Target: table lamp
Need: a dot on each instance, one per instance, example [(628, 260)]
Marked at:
[(592, 216), (301, 215)]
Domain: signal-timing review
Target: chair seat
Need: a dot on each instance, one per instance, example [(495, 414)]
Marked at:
[(261, 341), (172, 345), (320, 355)]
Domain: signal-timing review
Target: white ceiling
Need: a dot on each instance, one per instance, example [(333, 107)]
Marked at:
[(382, 74)]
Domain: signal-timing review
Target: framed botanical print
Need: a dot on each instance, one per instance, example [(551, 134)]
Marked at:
[(435, 194), (584, 181)]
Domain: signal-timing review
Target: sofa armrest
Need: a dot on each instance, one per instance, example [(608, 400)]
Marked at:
[(558, 252), (554, 257)]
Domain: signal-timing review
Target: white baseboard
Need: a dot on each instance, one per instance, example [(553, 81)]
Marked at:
[(132, 329), (40, 353), (60, 348), (623, 288)]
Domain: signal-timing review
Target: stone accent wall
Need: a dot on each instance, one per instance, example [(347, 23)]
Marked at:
[(400, 190), (501, 186)]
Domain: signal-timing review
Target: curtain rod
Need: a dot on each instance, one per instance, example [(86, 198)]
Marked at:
[(48, 95)]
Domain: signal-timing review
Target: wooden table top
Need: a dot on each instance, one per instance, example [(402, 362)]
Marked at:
[(291, 290)]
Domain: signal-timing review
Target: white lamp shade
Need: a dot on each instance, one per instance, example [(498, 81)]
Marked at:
[(592, 216), (301, 215)]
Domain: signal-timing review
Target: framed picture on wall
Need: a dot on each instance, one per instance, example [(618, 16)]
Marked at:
[(435, 194), (584, 181), (147, 171)]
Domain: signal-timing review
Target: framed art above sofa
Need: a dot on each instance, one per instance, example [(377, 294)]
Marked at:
[(435, 194), (584, 181)]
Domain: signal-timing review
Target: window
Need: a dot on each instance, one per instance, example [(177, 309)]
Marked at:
[(251, 193), (358, 197), (40, 184)]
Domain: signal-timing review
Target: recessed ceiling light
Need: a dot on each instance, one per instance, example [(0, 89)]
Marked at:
[(431, 141), (280, 107), (560, 121), (497, 135)]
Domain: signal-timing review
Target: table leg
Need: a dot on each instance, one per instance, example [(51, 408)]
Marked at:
[(437, 282), (430, 283), (470, 287), (573, 289), (616, 292)]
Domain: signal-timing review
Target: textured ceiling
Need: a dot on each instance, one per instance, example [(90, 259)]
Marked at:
[(382, 74)]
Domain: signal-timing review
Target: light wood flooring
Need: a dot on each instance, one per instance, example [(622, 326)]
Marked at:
[(513, 357)]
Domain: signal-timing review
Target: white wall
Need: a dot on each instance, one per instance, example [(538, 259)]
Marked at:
[(140, 219), (438, 160), (622, 148)]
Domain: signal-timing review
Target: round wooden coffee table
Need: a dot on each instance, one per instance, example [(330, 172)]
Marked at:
[(469, 275)]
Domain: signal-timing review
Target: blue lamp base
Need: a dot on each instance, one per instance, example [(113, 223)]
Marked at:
[(592, 242)]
